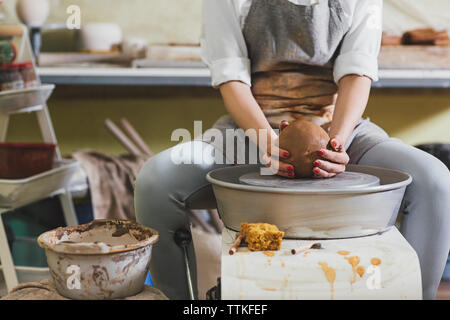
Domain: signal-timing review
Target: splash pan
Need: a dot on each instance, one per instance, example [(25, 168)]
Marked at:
[(311, 210)]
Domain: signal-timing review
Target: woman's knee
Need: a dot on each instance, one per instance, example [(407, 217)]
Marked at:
[(150, 177), (431, 181), (164, 178)]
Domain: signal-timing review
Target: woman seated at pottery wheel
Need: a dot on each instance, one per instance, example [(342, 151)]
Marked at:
[(276, 61)]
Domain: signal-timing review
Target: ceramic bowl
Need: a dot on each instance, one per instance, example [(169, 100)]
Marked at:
[(104, 259)]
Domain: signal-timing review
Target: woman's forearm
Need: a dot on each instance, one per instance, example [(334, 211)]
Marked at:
[(352, 99), (244, 109)]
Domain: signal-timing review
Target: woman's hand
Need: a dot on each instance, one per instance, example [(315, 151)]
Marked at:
[(274, 153), (333, 161), (352, 98)]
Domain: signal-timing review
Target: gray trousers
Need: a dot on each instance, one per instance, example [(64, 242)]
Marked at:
[(165, 192)]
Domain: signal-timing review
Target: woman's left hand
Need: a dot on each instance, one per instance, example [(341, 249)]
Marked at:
[(333, 159)]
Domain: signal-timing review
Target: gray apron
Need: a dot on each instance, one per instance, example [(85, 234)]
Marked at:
[(292, 49)]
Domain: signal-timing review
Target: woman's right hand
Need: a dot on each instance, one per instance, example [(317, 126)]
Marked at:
[(274, 155)]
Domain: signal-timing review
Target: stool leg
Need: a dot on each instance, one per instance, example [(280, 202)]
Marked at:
[(48, 133), (9, 272), (68, 209), (4, 120)]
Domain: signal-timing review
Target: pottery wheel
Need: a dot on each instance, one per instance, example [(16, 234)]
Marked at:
[(342, 181)]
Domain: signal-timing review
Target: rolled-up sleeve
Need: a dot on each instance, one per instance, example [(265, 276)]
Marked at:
[(222, 43), (361, 44)]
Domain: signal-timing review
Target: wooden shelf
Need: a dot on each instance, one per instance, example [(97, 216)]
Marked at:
[(389, 78)]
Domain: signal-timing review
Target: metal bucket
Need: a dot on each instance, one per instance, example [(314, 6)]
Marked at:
[(311, 213), (104, 259)]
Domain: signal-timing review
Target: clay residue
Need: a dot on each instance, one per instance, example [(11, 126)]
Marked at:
[(343, 252), (269, 253), (100, 277), (98, 236), (282, 264), (354, 261), (306, 253), (120, 230), (360, 270), (61, 231), (121, 227), (375, 261), (330, 275)]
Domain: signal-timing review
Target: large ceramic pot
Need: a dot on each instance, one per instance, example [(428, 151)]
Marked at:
[(104, 259), (33, 12)]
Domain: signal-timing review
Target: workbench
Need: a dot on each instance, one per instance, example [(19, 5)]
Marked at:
[(389, 78)]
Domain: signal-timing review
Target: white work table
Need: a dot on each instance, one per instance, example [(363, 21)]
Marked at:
[(389, 78)]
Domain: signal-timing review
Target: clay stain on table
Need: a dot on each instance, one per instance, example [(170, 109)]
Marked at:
[(375, 261), (354, 261), (269, 289), (269, 253), (330, 275), (360, 270)]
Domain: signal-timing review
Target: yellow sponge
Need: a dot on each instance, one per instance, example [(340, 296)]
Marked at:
[(261, 236)]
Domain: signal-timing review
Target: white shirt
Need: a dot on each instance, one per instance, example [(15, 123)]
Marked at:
[(225, 53)]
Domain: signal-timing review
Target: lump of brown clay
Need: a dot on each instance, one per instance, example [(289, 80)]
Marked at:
[(303, 139)]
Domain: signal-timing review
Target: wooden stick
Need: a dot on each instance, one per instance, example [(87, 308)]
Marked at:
[(236, 244), (134, 135), (316, 245), (123, 139)]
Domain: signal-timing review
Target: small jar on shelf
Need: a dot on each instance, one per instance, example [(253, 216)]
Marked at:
[(29, 76), (10, 77), (8, 52), (16, 77), (5, 78)]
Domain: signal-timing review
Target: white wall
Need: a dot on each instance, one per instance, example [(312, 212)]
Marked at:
[(180, 20), (401, 15)]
